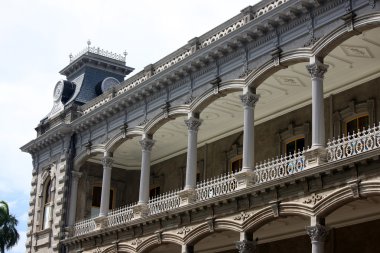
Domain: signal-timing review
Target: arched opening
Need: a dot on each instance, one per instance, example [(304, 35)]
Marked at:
[(164, 248), (222, 241), (354, 226)]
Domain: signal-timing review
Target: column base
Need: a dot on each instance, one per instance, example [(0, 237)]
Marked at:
[(244, 178), (245, 246), (315, 156), (140, 210), (101, 222), (187, 196)]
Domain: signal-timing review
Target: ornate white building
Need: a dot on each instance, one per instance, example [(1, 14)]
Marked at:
[(262, 135)]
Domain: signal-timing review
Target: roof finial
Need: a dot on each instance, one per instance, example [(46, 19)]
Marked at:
[(88, 43), (71, 57), (125, 53)]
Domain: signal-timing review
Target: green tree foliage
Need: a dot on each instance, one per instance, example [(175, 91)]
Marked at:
[(8, 232)]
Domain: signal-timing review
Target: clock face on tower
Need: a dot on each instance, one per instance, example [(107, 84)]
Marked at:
[(58, 91)]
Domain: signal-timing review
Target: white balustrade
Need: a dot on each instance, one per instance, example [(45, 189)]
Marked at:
[(84, 227), (354, 144), (164, 202), (279, 168), (216, 186), (120, 215)]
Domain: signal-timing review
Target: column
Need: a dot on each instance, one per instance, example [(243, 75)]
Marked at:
[(106, 185), (318, 234), (187, 249), (317, 71), (245, 177), (141, 210), (246, 243), (317, 154), (188, 194), (101, 220), (73, 196)]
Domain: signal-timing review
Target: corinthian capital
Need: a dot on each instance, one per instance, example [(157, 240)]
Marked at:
[(147, 144), (193, 123), (249, 99), (107, 162), (317, 233), (317, 70), (245, 246)]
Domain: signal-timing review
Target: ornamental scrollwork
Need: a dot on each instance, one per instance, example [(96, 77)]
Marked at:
[(242, 216), (136, 242), (184, 230), (193, 123), (313, 199), (249, 99)]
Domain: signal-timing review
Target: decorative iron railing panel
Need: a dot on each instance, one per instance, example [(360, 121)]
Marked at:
[(357, 143), (216, 186), (279, 168), (84, 227), (120, 215), (164, 202)]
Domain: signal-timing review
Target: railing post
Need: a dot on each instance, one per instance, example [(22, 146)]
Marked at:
[(317, 153)]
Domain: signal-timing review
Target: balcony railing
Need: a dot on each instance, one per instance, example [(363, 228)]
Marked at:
[(225, 185), (354, 144)]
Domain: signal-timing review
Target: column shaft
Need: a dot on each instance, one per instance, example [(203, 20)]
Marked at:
[(193, 124), (146, 145), (317, 71), (73, 197), (249, 101), (106, 185)]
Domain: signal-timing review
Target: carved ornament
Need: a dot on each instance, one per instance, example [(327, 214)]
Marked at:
[(147, 144), (243, 216), (249, 99), (313, 199), (193, 124), (317, 70), (317, 233)]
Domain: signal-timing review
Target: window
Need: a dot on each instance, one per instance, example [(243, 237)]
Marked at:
[(236, 163), (96, 199), (294, 146), (47, 208), (154, 192), (356, 124)]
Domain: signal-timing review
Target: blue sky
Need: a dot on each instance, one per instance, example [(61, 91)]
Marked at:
[(36, 38)]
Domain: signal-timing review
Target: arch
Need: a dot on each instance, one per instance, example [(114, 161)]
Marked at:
[(158, 239), (86, 154), (203, 230), (345, 195), (112, 144), (330, 41), (321, 48), (121, 248), (266, 214), (197, 105), (257, 76), (226, 87)]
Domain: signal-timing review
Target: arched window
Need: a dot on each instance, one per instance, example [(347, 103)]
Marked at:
[(47, 205)]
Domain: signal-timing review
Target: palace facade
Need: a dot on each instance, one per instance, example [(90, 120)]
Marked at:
[(262, 135)]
